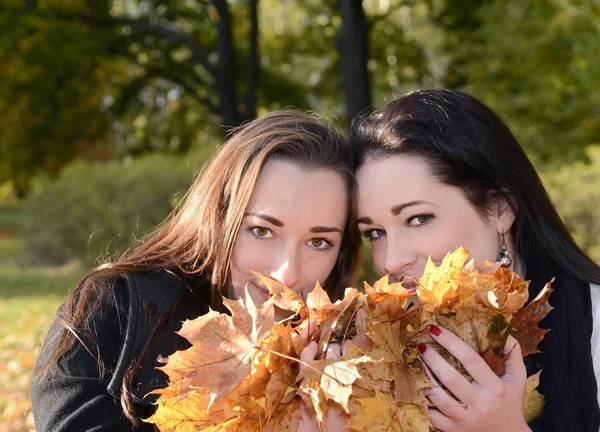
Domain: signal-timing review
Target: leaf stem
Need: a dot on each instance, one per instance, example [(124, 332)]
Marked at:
[(451, 405), (302, 363)]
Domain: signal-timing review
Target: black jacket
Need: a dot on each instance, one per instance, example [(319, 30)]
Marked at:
[(74, 395)]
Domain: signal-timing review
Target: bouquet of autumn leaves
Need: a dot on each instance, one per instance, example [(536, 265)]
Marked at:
[(242, 372)]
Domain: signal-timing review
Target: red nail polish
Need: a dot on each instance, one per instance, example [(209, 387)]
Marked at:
[(422, 348), (435, 330)]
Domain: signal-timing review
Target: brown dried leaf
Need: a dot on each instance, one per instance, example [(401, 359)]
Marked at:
[(222, 348), (283, 297), (338, 377), (377, 414), (525, 322), (315, 401)]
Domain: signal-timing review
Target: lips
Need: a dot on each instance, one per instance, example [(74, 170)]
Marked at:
[(408, 282), (263, 291)]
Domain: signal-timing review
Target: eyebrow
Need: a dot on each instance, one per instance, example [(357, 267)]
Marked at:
[(268, 218), (277, 222), (398, 208), (322, 229), (395, 210)]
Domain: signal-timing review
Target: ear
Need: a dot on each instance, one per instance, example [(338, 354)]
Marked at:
[(505, 214)]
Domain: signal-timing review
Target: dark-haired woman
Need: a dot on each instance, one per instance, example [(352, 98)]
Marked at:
[(277, 199), (436, 170)]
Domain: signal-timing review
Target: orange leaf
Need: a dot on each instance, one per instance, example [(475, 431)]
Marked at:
[(283, 297)]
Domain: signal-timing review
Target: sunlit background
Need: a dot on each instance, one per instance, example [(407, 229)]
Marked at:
[(108, 108)]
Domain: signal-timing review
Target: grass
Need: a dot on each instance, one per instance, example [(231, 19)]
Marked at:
[(29, 298)]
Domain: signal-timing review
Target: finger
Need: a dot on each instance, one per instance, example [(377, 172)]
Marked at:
[(304, 332), (307, 422), (509, 345), (439, 421), (514, 366), (308, 353), (309, 329), (333, 351), (446, 404), (312, 326), (447, 375), (474, 364)]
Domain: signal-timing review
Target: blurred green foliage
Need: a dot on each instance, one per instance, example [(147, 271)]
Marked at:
[(575, 190), (537, 63), (101, 80), (114, 79), (94, 210)]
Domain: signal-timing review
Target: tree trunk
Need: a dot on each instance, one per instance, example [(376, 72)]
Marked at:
[(252, 71), (226, 79), (353, 45)]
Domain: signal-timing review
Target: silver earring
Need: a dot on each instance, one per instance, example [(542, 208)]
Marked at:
[(504, 257)]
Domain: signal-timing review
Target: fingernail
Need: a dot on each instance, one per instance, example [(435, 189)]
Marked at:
[(435, 330), (422, 348)]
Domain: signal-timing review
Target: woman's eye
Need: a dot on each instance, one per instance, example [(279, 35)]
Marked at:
[(320, 243), (374, 234), (421, 219), (261, 231)]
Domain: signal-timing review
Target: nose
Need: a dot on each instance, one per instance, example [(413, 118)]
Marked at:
[(398, 258), (287, 269)]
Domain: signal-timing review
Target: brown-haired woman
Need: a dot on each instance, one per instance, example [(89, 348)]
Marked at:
[(278, 198)]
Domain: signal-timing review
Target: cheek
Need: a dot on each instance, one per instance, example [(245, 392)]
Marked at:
[(471, 233), (317, 268), (245, 257), (378, 254)]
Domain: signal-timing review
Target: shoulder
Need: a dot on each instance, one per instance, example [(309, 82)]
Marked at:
[(152, 298), (131, 307)]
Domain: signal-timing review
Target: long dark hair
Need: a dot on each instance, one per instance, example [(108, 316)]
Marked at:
[(195, 243), (468, 146)]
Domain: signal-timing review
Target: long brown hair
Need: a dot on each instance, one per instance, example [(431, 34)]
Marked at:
[(196, 241)]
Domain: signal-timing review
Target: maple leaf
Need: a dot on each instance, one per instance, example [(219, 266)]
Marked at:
[(338, 377), (437, 287), (283, 297), (525, 322), (270, 374), (315, 401), (377, 413), (508, 292), (241, 373), (182, 414), (388, 301), (222, 347), (380, 414), (319, 304), (533, 403)]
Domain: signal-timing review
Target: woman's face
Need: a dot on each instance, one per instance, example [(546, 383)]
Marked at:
[(409, 215), (292, 229)]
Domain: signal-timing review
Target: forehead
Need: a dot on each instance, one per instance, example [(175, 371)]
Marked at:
[(394, 180), (288, 192)]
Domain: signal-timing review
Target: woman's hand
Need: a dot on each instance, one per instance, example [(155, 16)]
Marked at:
[(489, 403), (336, 417)]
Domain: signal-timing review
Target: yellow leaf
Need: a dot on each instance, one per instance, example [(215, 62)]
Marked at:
[(437, 287), (534, 401)]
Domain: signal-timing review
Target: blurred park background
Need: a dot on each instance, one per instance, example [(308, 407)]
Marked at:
[(108, 108)]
